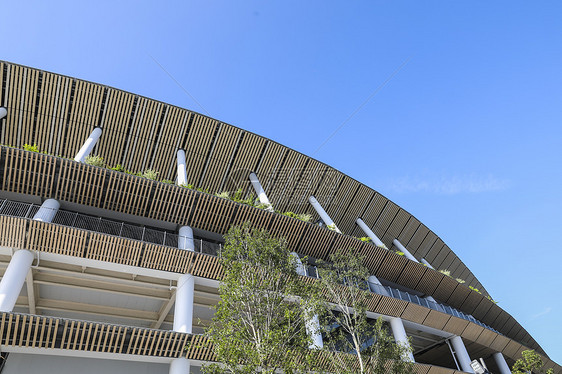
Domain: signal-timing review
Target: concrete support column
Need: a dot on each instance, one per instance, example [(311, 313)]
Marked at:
[(322, 213), (260, 191), (3, 112), (47, 211), (14, 277), (376, 286), (183, 307), (462, 355), (313, 324), (370, 233), (403, 249), (182, 171), (400, 337), (180, 366), (88, 145), (502, 365)]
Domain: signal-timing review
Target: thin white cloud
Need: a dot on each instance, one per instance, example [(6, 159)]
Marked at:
[(543, 313), (448, 185)]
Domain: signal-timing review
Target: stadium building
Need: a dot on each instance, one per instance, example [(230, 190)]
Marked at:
[(104, 270)]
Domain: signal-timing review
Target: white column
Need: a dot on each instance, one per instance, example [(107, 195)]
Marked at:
[(370, 233), (403, 249), (425, 262), (47, 211), (375, 283), (185, 238), (183, 308), (400, 337), (313, 324), (180, 366), (182, 173), (3, 112), (260, 191), (88, 145), (462, 354), (322, 213), (13, 279), (502, 365)]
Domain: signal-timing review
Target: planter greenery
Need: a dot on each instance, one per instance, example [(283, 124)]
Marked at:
[(95, 161), (31, 148)]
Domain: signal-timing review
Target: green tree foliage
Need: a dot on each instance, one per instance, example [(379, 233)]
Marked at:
[(259, 324), (343, 281), (530, 362)]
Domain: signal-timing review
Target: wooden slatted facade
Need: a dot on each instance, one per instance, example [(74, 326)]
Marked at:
[(53, 238), (58, 113), (111, 190), (32, 331)]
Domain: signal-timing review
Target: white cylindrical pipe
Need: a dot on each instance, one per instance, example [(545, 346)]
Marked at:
[(462, 354), (185, 238), (400, 337), (375, 284), (425, 262), (502, 365), (322, 213), (183, 309), (47, 211), (182, 171), (180, 366), (3, 112), (403, 249), (13, 279), (260, 191), (88, 145), (313, 324), (299, 267), (370, 233), (313, 329)]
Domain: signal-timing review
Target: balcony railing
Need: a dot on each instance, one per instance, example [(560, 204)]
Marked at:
[(406, 296), (128, 231), (105, 226)]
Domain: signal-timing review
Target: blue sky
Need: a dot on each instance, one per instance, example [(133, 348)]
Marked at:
[(466, 135)]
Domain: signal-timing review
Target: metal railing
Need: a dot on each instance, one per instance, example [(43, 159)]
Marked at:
[(106, 226), (125, 230), (312, 272), (406, 296)]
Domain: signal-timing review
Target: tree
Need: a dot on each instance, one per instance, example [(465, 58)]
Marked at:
[(259, 324), (343, 282), (530, 362)]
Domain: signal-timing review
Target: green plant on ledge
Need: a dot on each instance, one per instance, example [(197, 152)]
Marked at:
[(95, 161), (31, 148), (365, 239), (445, 272), (150, 174), (475, 289), (461, 281), (302, 217)]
